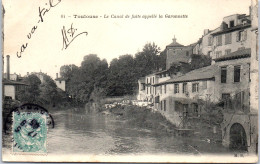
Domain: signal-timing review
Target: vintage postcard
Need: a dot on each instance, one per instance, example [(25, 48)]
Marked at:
[(130, 81)]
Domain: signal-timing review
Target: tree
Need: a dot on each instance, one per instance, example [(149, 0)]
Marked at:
[(82, 80), (122, 79), (48, 90), (66, 71), (147, 59), (32, 92), (199, 61)]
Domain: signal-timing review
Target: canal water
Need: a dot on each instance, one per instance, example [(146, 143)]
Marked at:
[(77, 132)]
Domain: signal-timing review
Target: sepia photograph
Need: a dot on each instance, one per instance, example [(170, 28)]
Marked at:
[(130, 81)]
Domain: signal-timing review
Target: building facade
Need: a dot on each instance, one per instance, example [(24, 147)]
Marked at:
[(176, 53), (230, 83), (60, 82), (186, 95), (11, 88)]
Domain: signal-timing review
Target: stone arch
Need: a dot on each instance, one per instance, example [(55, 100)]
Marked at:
[(238, 138)]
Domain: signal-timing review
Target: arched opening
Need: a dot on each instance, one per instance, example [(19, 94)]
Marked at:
[(238, 140)]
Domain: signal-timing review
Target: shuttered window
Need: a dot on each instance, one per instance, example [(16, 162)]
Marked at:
[(237, 73), (176, 88), (184, 88), (228, 38), (195, 87), (223, 74), (219, 40), (241, 36)]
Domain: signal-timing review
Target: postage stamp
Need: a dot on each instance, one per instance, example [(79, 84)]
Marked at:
[(29, 132)]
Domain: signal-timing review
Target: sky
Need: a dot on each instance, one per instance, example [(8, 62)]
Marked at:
[(107, 37)]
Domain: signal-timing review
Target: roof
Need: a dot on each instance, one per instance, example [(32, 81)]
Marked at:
[(235, 28), (11, 82), (174, 43), (163, 71), (245, 53), (204, 73)]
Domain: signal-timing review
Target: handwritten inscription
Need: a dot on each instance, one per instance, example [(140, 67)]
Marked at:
[(68, 36), (42, 12)]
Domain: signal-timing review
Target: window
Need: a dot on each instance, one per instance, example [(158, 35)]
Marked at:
[(218, 54), (210, 41), (223, 74), (241, 36), (164, 102), (147, 81), (219, 40), (187, 53), (228, 51), (231, 24), (176, 88), (227, 100), (225, 96), (157, 99), (143, 87), (228, 38), (60, 82), (153, 80), (184, 88), (165, 89), (249, 72), (237, 74), (195, 87), (195, 109)]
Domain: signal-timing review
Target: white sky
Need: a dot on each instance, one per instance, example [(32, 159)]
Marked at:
[(108, 38)]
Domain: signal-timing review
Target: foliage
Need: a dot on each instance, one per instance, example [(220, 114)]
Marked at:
[(44, 93), (198, 61), (32, 92), (48, 89), (117, 79), (147, 59), (122, 79)]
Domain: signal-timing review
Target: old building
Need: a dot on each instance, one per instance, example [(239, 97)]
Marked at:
[(240, 88), (225, 93), (11, 88), (177, 52), (141, 89), (11, 83), (204, 46), (181, 95), (60, 82), (233, 35)]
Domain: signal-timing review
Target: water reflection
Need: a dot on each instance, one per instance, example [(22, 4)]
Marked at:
[(80, 133)]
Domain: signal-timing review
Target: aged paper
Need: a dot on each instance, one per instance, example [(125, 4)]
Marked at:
[(130, 81)]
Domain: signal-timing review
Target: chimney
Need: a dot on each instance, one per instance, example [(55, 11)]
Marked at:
[(8, 67), (57, 74), (27, 73), (206, 31)]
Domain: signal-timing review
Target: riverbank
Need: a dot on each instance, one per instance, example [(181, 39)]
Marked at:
[(143, 118)]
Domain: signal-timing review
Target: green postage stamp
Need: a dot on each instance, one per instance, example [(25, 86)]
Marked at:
[(29, 132)]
